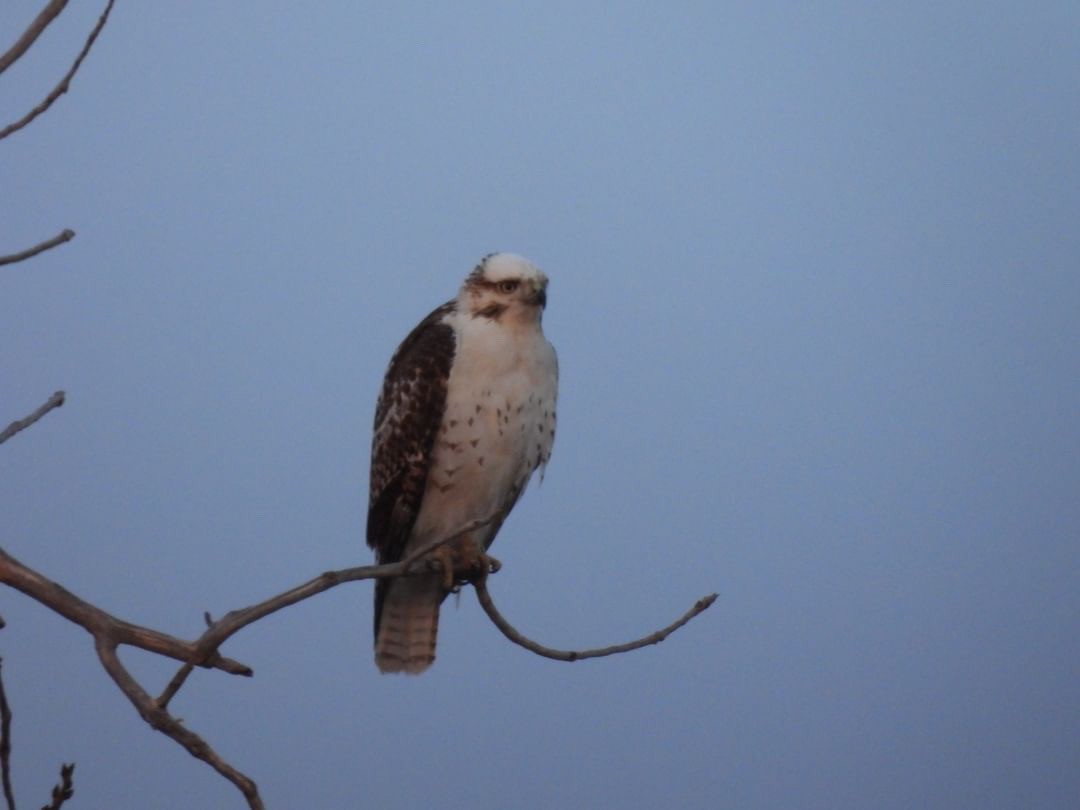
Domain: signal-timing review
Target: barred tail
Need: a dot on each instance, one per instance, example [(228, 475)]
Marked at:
[(407, 623)]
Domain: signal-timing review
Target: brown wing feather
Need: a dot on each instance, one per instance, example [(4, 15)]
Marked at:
[(408, 416)]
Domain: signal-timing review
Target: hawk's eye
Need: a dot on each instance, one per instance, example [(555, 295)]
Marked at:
[(508, 286)]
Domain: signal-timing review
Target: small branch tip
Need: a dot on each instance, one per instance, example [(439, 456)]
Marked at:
[(55, 401)]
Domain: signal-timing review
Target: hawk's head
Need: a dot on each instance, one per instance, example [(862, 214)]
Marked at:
[(505, 286)]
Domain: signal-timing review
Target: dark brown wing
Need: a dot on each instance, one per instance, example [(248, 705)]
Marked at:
[(408, 416)]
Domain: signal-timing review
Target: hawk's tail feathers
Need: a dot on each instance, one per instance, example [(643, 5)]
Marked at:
[(408, 624)]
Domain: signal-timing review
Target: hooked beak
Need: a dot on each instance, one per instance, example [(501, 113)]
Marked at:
[(539, 296)]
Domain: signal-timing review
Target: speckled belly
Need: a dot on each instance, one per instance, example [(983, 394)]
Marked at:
[(492, 438)]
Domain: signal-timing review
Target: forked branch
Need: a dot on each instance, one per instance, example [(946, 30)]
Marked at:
[(160, 720)]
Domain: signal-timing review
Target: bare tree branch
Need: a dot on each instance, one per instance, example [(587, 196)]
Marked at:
[(5, 747), (63, 791), (508, 630), (65, 82), (110, 632), (30, 35), (102, 625), (162, 721), (65, 235), (55, 401)]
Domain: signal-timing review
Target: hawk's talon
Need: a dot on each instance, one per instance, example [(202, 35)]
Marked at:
[(479, 566), (460, 566)]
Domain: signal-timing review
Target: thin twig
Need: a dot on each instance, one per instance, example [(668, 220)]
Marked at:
[(508, 630), (55, 401), (5, 746), (63, 791), (30, 35), (173, 686), (65, 235), (65, 82)]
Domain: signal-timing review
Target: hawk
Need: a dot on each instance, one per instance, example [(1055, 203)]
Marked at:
[(465, 415)]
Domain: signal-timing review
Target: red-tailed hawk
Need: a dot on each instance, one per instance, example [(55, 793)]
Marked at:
[(466, 414)]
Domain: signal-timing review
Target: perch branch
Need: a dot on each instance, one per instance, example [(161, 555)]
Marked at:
[(55, 401), (65, 235), (30, 35), (65, 82), (700, 606), (234, 621)]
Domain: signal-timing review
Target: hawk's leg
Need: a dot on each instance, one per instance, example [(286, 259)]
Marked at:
[(442, 560)]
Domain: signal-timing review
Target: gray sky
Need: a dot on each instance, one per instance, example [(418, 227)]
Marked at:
[(815, 292)]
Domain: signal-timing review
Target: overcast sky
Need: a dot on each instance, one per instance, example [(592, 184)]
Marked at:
[(815, 289)]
